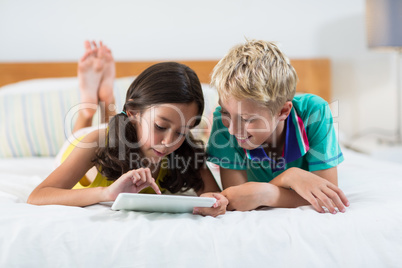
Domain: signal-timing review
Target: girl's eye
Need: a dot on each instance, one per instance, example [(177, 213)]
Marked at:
[(181, 134), (159, 127)]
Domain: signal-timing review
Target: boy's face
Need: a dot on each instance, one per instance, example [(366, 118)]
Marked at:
[(251, 124)]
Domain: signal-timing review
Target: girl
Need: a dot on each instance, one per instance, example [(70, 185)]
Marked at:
[(149, 139)]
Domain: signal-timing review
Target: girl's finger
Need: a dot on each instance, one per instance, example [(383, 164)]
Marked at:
[(222, 200), (155, 187), (144, 181), (135, 176), (151, 181), (217, 196), (143, 175), (148, 174)]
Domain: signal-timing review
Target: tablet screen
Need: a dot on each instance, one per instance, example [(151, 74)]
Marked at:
[(160, 203)]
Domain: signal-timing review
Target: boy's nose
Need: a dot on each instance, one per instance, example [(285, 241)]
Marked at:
[(233, 127)]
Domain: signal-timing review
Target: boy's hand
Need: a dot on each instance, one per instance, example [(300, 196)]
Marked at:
[(248, 196), (219, 208), (320, 192)]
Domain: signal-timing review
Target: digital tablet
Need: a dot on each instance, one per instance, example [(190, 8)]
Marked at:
[(160, 203)]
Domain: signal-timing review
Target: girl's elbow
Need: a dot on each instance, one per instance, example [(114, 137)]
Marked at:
[(32, 199)]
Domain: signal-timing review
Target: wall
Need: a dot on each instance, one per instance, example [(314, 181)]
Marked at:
[(363, 80)]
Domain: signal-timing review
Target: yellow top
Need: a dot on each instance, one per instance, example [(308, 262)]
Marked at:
[(102, 181)]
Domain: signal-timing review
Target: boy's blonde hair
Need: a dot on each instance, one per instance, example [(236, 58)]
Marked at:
[(257, 70)]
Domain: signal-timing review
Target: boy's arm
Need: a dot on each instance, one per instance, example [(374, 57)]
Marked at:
[(244, 196), (317, 188)]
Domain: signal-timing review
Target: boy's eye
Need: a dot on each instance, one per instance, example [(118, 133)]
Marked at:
[(247, 120), (224, 113)]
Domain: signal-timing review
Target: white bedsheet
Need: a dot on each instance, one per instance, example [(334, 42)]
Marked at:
[(369, 234)]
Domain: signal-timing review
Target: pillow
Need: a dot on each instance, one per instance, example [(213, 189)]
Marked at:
[(37, 116), (203, 130)]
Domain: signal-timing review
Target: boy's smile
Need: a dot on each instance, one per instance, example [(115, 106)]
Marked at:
[(251, 123), (243, 139)]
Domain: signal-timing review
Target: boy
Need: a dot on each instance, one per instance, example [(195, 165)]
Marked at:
[(273, 149)]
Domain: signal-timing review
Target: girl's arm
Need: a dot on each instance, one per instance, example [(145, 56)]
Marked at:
[(210, 184), (56, 188), (232, 177)]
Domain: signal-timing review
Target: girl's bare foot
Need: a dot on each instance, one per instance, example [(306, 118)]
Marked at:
[(90, 71), (105, 93)]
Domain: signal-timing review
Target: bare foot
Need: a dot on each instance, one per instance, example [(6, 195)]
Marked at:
[(105, 93), (90, 71)]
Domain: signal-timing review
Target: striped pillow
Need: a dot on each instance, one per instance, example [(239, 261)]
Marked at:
[(36, 115)]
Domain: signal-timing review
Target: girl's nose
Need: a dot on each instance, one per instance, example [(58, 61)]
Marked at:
[(168, 140)]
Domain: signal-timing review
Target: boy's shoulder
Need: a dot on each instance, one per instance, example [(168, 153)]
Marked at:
[(308, 103)]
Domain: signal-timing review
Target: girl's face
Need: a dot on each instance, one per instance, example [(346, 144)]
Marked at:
[(250, 123), (161, 129)]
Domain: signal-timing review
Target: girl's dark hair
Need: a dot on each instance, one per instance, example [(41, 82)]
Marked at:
[(167, 82)]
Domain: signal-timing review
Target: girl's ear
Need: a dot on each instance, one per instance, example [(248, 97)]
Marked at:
[(285, 111), (133, 115)]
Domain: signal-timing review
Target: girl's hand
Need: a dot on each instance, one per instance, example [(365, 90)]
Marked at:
[(219, 208), (131, 182), (320, 193)]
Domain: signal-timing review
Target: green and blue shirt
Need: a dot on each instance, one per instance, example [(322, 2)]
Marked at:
[(310, 143)]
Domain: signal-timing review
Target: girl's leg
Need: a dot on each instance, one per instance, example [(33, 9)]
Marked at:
[(90, 71), (105, 93)]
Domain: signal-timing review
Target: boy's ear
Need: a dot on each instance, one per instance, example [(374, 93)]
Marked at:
[(285, 111)]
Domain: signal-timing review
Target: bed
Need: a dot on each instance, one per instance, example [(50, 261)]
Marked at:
[(367, 235)]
